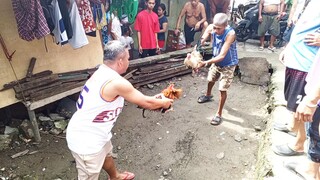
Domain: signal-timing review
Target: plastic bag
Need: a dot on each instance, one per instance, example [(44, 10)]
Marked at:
[(182, 41)]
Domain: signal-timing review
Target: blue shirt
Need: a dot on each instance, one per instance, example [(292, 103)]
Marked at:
[(299, 55), (231, 57), (162, 36)]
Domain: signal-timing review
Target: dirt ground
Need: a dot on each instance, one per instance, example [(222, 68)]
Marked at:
[(179, 145)]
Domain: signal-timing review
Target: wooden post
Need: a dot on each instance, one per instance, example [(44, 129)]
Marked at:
[(31, 66), (35, 127)]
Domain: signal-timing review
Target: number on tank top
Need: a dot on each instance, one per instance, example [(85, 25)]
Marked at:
[(80, 99)]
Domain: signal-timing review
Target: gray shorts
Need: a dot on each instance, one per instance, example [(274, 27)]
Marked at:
[(269, 23)]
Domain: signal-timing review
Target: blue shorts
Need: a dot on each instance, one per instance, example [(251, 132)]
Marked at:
[(313, 133)]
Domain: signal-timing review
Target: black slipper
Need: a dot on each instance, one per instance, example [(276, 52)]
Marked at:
[(216, 120), (204, 98)]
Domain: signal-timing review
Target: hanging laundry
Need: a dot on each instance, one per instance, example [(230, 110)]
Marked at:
[(59, 31), (87, 17), (30, 19), (47, 11), (105, 31), (65, 17), (99, 14), (79, 38)]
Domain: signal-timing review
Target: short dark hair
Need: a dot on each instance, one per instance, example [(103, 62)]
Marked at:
[(125, 28)]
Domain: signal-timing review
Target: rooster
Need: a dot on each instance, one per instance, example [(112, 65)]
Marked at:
[(171, 93)]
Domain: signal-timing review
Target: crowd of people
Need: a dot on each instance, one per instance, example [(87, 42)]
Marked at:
[(89, 131), (151, 24), (301, 57)]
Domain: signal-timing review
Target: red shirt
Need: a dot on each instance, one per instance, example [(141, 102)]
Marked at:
[(147, 24)]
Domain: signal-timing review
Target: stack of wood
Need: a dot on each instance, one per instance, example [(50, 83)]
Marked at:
[(142, 71), (158, 71), (161, 67), (45, 84)]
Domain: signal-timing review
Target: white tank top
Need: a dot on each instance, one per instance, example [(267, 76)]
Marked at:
[(90, 127)]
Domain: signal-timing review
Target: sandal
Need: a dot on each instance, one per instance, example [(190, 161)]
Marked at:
[(272, 48), (204, 98), (216, 121), (127, 176), (261, 48)]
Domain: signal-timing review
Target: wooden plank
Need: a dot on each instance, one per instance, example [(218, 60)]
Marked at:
[(159, 67), (187, 71), (12, 84), (36, 83), (153, 59), (155, 75), (48, 100), (32, 91), (35, 127), (130, 74), (74, 77), (83, 71), (39, 75), (176, 59), (56, 90), (31, 66)]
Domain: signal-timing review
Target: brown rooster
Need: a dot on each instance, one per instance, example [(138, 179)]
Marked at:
[(171, 93)]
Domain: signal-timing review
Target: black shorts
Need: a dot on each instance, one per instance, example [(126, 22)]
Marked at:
[(313, 133), (189, 33), (148, 52), (295, 81)]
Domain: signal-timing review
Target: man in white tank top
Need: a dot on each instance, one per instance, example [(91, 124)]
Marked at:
[(98, 107)]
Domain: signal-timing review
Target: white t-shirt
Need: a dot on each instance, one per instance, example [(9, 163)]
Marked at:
[(116, 27), (127, 40)]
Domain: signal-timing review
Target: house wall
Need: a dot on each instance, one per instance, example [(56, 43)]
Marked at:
[(57, 59)]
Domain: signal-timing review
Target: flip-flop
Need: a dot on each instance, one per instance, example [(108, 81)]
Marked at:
[(285, 150), (204, 98), (272, 48), (261, 48), (128, 176), (216, 120), (283, 128)]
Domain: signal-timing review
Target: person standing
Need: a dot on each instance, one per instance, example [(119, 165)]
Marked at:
[(163, 21), (223, 62), (309, 111), (195, 20), (298, 57), (270, 12), (147, 27), (98, 107), (127, 39), (219, 6)]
